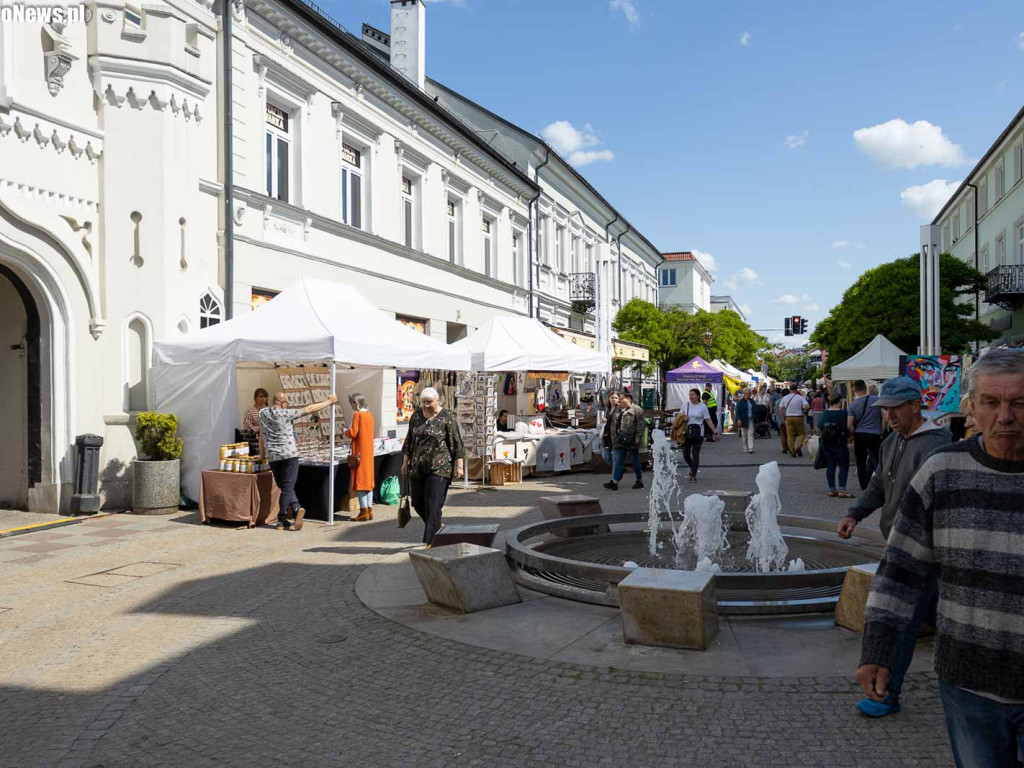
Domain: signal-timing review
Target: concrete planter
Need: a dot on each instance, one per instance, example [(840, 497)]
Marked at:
[(156, 486)]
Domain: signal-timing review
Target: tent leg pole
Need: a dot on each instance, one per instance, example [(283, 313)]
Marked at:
[(330, 472)]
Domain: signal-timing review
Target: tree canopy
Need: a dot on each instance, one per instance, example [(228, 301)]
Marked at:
[(886, 300), (674, 336)]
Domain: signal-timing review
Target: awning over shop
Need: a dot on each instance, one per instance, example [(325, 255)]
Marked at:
[(526, 344)]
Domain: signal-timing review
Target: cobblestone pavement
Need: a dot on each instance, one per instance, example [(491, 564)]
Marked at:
[(189, 645)]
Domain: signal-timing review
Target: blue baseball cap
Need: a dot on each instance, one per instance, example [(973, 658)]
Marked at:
[(897, 391)]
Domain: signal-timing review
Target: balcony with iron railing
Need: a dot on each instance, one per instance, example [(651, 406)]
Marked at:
[(583, 291), (1006, 286)]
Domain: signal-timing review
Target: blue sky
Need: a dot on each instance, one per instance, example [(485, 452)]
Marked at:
[(729, 128)]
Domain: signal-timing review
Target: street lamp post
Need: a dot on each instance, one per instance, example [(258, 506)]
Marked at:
[(707, 343)]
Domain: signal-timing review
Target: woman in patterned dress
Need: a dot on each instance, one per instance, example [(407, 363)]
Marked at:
[(433, 456)]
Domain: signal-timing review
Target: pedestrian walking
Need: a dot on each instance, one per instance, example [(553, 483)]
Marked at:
[(794, 406), (698, 424), (361, 459), (745, 420), (835, 445), (901, 455), (960, 524), (434, 456), (611, 424), (780, 421), (865, 422), (277, 443), (818, 407), (627, 442), (709, 400)]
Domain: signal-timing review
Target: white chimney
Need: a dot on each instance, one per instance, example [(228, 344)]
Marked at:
[(409, 39)]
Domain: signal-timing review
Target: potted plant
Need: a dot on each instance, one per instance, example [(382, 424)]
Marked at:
[(156, 482)]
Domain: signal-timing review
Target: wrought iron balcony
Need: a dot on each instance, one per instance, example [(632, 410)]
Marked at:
[(583, 291), (1006, 286)]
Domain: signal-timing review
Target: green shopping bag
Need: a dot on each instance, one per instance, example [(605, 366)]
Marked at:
[(389, 491)]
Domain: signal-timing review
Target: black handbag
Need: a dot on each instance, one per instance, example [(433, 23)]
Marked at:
[(404, 511)]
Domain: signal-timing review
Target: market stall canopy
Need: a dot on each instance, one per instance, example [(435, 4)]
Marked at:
[(732, 371), (517, 344), (879, 360), (313, 321), (696, 370)]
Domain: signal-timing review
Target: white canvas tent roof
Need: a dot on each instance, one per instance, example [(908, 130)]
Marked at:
[(313, 321), (880, 359), (731, 371), (525, 344)]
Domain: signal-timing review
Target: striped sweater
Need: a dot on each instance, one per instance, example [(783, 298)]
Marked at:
[(962, 514)]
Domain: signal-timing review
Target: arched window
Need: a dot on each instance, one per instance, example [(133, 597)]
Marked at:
[(136, 364), (209, 311)]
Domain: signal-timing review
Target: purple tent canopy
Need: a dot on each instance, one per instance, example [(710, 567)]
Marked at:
[(695, 372)]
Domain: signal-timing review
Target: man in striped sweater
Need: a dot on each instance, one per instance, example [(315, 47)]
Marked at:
[(963, 518)]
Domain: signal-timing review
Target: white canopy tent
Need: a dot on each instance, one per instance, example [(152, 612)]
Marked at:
[(517, 344), (310, 321), (879, 360), (730, 370)]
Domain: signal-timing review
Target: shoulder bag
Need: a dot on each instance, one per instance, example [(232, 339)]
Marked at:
[(693, 431)]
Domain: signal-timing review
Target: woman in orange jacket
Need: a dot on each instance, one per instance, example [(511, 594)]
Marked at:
[(361, 432)]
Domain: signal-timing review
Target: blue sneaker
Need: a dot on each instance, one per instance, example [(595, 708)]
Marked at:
[(879, 708)]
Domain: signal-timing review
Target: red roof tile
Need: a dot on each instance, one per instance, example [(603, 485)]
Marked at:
[(680, 256)]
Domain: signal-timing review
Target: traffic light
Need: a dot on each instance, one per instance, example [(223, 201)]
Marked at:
[(789, 326), (803, 325), (796, 325)]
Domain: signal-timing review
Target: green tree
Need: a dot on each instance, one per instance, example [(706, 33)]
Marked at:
[(885, 300)]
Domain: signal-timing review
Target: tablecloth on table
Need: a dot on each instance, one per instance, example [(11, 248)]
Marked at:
[(237, 496)]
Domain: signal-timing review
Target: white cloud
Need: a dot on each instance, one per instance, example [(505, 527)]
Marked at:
[(747, 275), (926, 199), (732, 283), (1020, 41), (843, 264), (812, 307), (628, 9), (899, 144), (709, 262), (745, 38), (746, 309), (572, 143), (791, 300), (836, 245), (797, 140)]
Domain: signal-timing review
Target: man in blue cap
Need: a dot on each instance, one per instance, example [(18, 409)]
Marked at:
[(902, 453)]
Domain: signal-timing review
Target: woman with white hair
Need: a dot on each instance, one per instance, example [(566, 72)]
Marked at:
[(433, 456)]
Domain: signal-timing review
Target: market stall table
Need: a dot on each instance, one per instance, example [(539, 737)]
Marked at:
[(239, 497), (313, 484)]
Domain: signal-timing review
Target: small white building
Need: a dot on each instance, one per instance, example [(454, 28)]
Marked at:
[(684, 283), (983, 225), (346, 167), (718, 303)]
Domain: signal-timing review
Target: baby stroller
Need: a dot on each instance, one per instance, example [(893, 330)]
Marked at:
[(762, 422)]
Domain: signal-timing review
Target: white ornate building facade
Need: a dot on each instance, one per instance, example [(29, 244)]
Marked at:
[(346, 167)]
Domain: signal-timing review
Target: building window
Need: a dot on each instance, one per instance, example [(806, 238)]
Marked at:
[(969, 217), (542, 243), (1018, 160), (945, 237), (517, 267), (135, 384), (576, 255), (1000, 176), (1000, 249), (408, 211), (955, 225), (668, 277), (559, 244), (984, 259), (588, 258), (351, 186), (490, 266), (1019, 230), (209, 311), (260, 297), (279, 152), (454, 232), (983, 196)]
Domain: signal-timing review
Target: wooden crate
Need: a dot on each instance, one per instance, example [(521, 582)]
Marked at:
[(505, 473)]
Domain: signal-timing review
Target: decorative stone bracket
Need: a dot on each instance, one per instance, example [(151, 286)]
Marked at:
[(47, 134)]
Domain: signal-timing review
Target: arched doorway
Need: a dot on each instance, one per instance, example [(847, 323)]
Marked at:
[(20, 394)]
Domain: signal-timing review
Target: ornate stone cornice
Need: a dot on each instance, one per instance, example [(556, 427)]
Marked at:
[(30, 129), (147, 84)]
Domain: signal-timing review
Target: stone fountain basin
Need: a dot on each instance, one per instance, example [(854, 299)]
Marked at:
[(547, 558)]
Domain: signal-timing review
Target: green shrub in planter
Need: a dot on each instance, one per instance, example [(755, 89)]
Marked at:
[(157, 436)]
